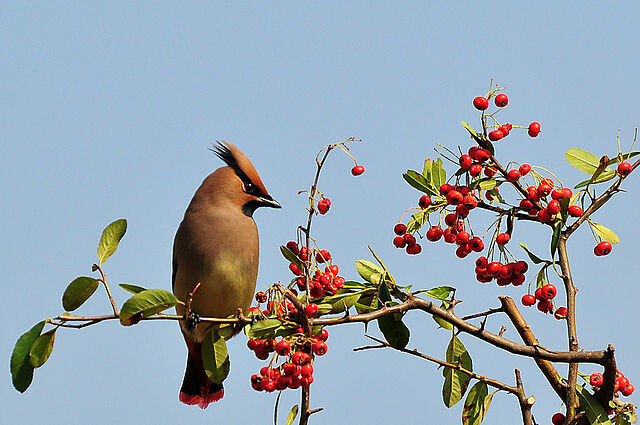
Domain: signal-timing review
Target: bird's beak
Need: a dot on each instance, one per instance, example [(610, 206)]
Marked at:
[(268, 201)]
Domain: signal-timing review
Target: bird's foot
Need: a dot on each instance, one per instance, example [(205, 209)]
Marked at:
[(193, 320)]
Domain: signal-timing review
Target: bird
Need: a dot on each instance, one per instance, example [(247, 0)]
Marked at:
[(216, 246)]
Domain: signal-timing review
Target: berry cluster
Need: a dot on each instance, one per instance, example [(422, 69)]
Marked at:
[(622, 384), (505, 274), (296, 353), (501, 100), (322, 283), (544, 296)]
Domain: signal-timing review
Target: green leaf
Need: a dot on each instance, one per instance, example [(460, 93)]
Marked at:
[(337, 303), (292, 415), (42, 348), (418, 181), (494, 193), (555, 238), (594, 410), (564, 209), (21, 369), (441, 322), (289, 255), (455, 381), (486, 183), (367, 270), (625, 157), (605, 176), (78, 291), (438, 175), (440, 292), (476, 405), (469, 129), (110, 238), (540, 278), (582, 160), (394, 330), (605, 233), (532, 256), (215, 357), (420, 218), (263, 328), (134, 289), (145, 304)]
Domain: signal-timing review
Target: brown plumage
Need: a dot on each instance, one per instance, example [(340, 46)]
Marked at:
[(216, 245)]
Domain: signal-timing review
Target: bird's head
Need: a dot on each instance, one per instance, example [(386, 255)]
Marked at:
[(239, 182)]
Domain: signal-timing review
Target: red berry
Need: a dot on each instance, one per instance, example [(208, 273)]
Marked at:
[(300, 358), (465, 161), (575, 211), (295, 269), (323, 335), (400, 229), (268, 385), (526, 204), (306, 370), (553, 207), (470, 201), (480, 103), (483, 154), (493, 268), (534, 129), (596, 379), (324, 205), (399, 242), (283, 347), (475, 170), (304, 253), (414, 249), (449, 237), (495, 135), (549, 291), (558, 419), (322, 256), (461, 210), (505, 130), (501, 100), (454, 197), (289, 369), (538, 294), (450, 219), (517, 280), (476, 244), (503, 238), (445, 189), (293, 247), (624, 168), (520, 267), (357, 170), (544, 216), (603, 248), (545, 306), (311, 309), (334, 269), (424, 201), (524, 169), (490, 171), (319, 348), (482, 262), (409, 239), (561, 313), (513, 176), (434, 234), (528, 300), (463, 237), (627, 390)]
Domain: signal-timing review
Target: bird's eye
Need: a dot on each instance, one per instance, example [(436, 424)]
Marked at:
[(250, 188)]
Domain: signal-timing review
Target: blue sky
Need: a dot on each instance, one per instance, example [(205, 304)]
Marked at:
[(108, 111)]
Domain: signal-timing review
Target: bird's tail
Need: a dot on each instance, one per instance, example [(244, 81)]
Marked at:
[(197, 388)]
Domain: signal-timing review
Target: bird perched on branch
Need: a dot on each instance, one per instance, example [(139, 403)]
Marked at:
[(216, 246)]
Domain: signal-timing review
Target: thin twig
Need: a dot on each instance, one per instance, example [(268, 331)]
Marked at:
[(492, 382)]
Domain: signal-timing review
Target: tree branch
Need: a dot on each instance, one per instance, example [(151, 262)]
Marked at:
[(545, 366), (491, 382)]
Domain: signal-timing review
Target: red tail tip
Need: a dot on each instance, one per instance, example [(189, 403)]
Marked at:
[(202, 402)]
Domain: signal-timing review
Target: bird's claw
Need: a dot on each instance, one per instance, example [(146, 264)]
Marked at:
[(193, 320)]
